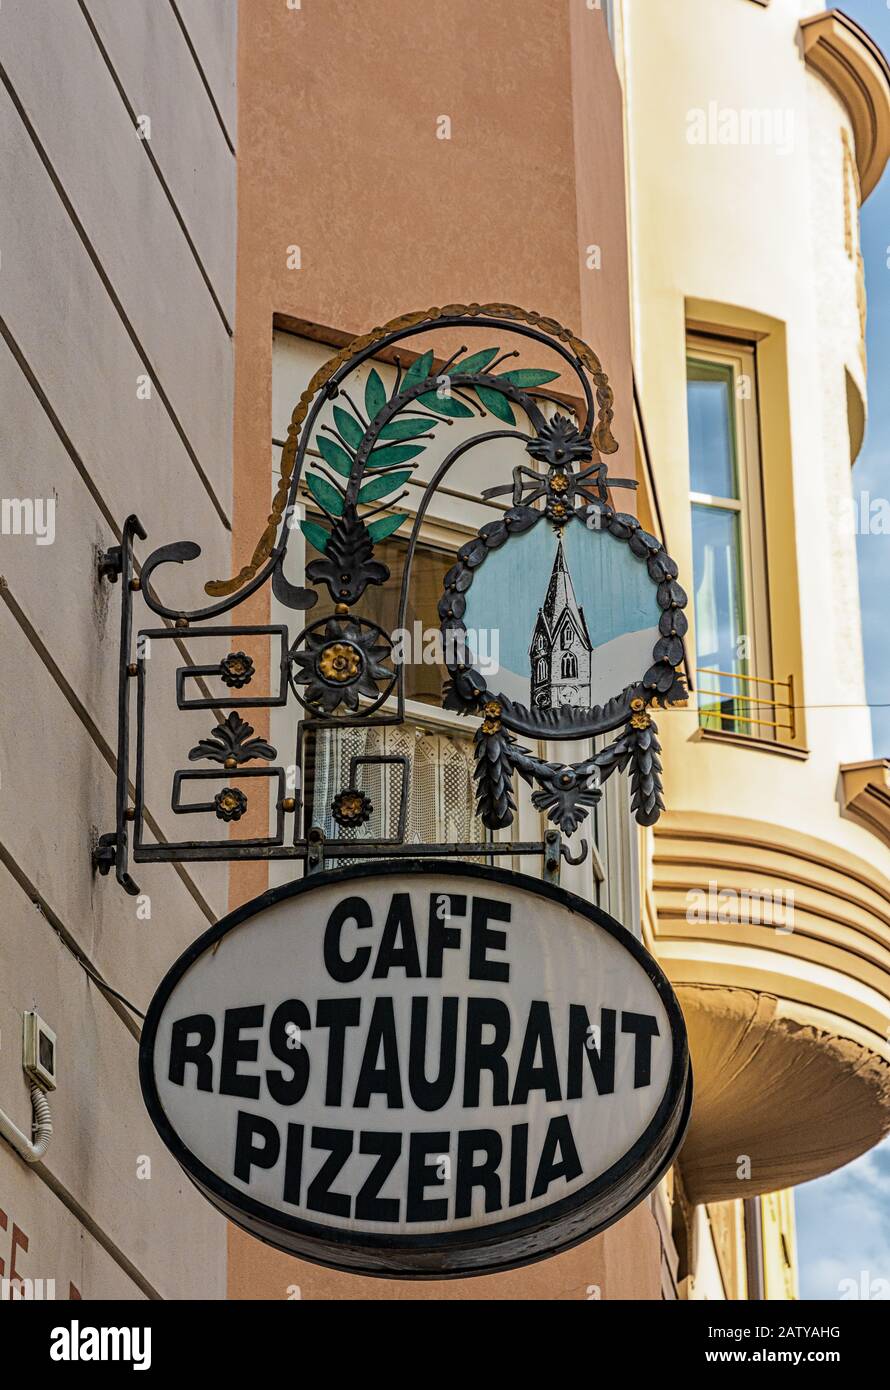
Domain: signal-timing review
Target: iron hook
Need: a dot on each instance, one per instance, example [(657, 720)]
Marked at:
[(581, 857)]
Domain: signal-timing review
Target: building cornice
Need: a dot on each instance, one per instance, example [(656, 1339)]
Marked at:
[(778, 946), (865, 795), (854, 66)]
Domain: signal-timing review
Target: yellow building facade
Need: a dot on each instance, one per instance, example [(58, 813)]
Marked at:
[(767, 883)]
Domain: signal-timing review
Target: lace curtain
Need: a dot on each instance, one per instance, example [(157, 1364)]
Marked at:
[(441, 805)]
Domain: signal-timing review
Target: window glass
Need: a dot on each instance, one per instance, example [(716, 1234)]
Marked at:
[(712, 445), (719, 610), (728, 541)]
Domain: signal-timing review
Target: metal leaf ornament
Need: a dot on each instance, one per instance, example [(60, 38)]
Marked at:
[(493, 774), (567, 791), (646, 800), (559, 443), (348, 566), (565, 797), (638, 746), (233, 744)]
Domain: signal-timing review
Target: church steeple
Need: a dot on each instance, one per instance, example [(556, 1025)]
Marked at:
[(560, 596), (561, 648)]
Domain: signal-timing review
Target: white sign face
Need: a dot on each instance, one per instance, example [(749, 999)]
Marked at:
[(418, 1071)]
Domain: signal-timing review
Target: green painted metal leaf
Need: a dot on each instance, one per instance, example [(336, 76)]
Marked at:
[(477, 363), (349, 427), (393, 453), (406, 429), (375, 394), (496, 404), (316, 535), (338, 458), (528, 376), (381, 487), (379, 530), (325, 494), (445, 405), (417, 372)]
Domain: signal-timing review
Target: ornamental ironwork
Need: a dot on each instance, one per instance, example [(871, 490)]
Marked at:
[(357, 463)]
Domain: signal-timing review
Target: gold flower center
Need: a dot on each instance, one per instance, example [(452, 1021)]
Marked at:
[(339, 662)]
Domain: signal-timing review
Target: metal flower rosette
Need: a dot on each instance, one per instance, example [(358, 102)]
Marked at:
[(352, 456)]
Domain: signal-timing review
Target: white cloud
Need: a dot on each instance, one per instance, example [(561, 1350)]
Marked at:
[(843, 1229)]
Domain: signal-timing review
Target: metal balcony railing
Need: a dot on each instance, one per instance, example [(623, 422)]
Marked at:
[(739, 706)]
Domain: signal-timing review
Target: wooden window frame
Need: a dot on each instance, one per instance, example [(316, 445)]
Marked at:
[(741, 358)]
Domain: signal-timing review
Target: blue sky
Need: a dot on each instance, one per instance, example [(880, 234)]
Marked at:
[(871, 473), (843, 1228), (844, 1219)]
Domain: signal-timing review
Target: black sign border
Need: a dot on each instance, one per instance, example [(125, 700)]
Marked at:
[(452, 1254)]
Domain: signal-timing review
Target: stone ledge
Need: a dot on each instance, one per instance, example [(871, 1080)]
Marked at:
[(865, 795), (854, 66)]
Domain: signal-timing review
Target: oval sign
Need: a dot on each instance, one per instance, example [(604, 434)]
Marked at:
[(418, 1072)]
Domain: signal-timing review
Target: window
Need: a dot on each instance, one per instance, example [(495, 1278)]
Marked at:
[(380, 604), (728, 540), (442, 801), (569, 666)]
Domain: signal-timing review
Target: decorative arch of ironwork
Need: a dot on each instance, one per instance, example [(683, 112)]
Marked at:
[(340, 669)]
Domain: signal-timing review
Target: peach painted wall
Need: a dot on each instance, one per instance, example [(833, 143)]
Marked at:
[(338, 105), (623, 1263)]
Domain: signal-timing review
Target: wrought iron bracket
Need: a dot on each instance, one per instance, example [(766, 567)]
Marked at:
[(105, 854), (341, 670), (109, 563), (552, 856), (112, 848)]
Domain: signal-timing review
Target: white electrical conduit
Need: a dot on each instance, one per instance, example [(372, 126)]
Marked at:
[(31, 1151)]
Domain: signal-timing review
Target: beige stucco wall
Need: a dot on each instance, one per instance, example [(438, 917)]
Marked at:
[(117, 270), (756, 234), (756, 239)]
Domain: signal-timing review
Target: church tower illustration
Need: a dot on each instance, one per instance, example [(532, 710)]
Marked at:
[(561, 649)]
